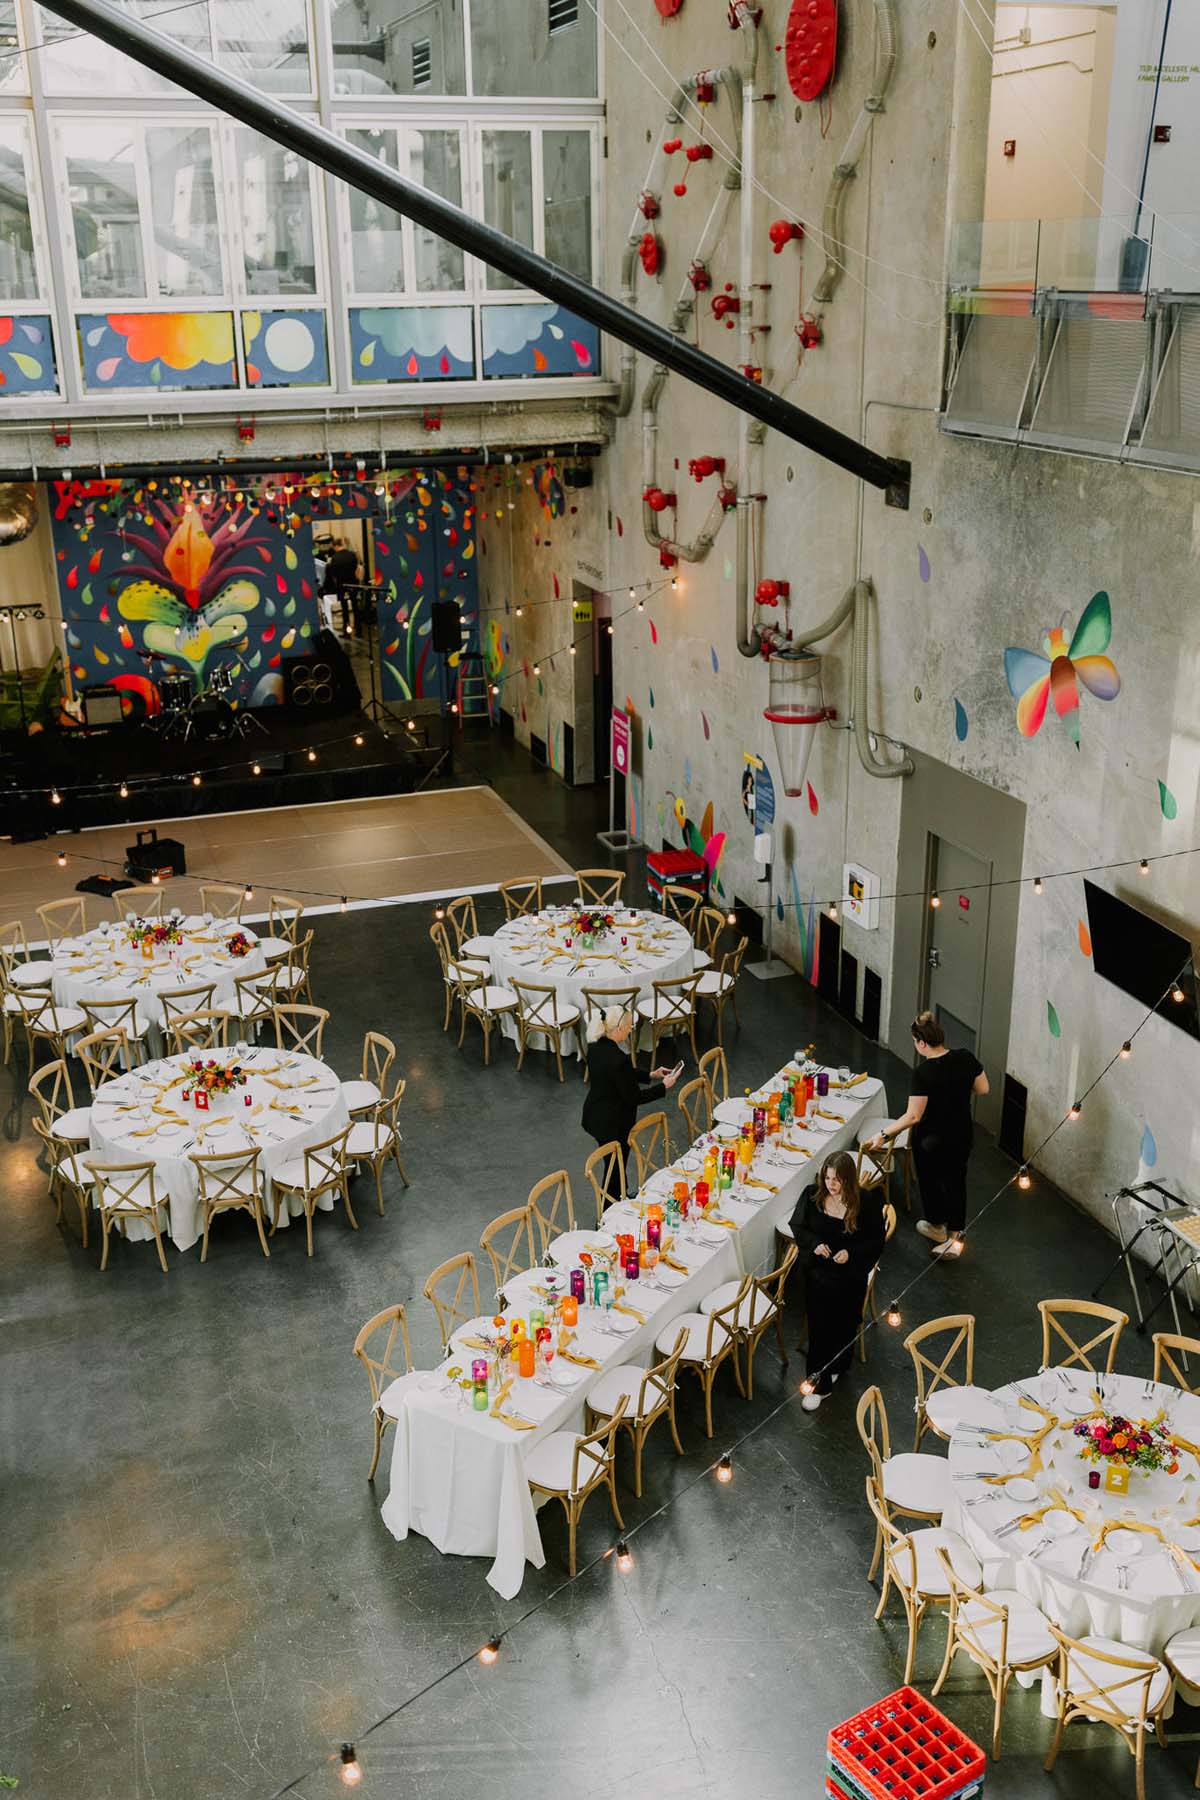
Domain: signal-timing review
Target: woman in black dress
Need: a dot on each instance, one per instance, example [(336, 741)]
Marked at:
[(939, 1116), (615, 1087), (840, 1234)]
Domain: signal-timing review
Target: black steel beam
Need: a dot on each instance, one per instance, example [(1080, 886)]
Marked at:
[(231, 95)]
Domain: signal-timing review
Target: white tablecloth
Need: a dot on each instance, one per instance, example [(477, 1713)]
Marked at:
[(104, 966), (458, 1476), (1081, 1593), (533, 949), (275, 1079)]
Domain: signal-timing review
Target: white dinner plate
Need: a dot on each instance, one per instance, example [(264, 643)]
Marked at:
[(670, 1278), (565, 1375), (1186, 1536), (1125, 1544), (1060, 1523), (622, 1322), (732, 1112), (1075, 1403), (710, 1234), (1022, 1489), (1010, 1455)]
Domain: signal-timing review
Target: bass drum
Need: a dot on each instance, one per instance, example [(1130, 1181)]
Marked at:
[(211, 717)]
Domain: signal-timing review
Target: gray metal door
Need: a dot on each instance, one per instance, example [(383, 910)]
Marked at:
[(956, 949)]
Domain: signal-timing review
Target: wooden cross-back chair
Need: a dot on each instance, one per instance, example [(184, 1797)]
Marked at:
[(541, 1013), (14, 945), (230, 1181), (374, 1139), (292, 972), (453, 971), (551, 1208), (125, 1191), (140, 902), (670, 1011), (119, 1015), (451, 1313), (521, 897), (508, 1241), (695, 1102), (592, 1465), (68, 1173), (919, 1581), (284, 914), (198, 998), (301, 1028), (718, 986), (595, 1000), (1108, 1685), (649, 1395), (63, 919), (479, 998), (682, 904), (870, 1416), (954, 1333), (715, 1069), (709, 923), (375, 1351), (874, 1167), (1003, 1638), (711, 1340), (605, 1169), (378, 1055), (51, 1088), (1166, 1343), (868, 1305), (222, 900), (45, 1021), (650, 1142), (463, 921), (600, 887), (205, 1029), (253, 1005), (1056, 1336), (760, 1308), (102, 1055), (320, 1169)]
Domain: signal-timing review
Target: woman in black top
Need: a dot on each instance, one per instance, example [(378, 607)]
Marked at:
[(839, 1232), (615, 1087), (939, 1115)]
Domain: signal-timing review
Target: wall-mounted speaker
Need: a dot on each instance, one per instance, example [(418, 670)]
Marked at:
[(447, 627)]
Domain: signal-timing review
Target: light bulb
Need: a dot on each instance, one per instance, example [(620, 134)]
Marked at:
[(731, 918), (411, 724), (610, 631), (195, 781), (724, 1470), (154, 879), (249, 892), (935, 900), (343, 908), (495, 687), (1075, 1111), (537, 668), (123, 790), (624, 1557), (833, 913), (358, 738), (312, 756), (1143, 867), (454, 706), (1177, 993), (256, 769), (674, 584), (490, 1651), (892, 1315), (439, 912), (62, 859), (520, 610), (351, 1769), (807, 1386), (641, 606), (55, 797), (633, 593), (1024, 1178), (1038, 885), (572, 649), (1126, 1051)]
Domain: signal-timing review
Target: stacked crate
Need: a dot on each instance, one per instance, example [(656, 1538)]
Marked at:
[(902, 1748)]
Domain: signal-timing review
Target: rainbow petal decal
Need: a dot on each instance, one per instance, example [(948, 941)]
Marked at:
[(1034, 678)]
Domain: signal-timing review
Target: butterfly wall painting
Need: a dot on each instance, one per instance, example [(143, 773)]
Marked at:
[(1034, 679)]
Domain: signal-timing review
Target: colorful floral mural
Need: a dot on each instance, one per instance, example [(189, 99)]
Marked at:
[(27, 356), (1035, 679), (163, 350), (537, 340), (412, 343), (285, 349), (159, 580), (426, 553)]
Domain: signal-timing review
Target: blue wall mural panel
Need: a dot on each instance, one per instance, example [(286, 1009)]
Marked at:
[(285, 349), (27, 356), (412, 343), (159, 350), (538, 340), (426, 553)]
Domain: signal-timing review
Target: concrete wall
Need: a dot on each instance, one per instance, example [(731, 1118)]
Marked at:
[(1057, 85), (998, 544)]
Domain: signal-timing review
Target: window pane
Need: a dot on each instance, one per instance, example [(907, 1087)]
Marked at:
[(278, 241), (567, 199), (13, 76), (514, 51), (375, 239), (18, 271), (507, 191), (187, 243), (435, 161), (265, 44), (74, 62), (102, 181), (398, 47)]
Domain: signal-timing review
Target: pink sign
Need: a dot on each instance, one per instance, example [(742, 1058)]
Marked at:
[(620, 741)]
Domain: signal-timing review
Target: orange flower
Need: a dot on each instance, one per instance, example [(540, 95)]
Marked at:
[(1120, 1440)]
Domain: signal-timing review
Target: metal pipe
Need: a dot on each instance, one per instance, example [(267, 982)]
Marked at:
[(848, 161), (317, 145), (207, 473), (18, 510)]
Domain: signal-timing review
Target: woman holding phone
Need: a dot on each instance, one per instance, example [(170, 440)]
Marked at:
[(615, 1087), (839, 1232)]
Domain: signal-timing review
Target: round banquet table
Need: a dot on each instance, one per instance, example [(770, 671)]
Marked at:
[(295, 1100), (1135, 1588), (533, 949), (104, 966)]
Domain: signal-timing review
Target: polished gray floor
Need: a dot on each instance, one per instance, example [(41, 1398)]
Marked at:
[(200, 1599)]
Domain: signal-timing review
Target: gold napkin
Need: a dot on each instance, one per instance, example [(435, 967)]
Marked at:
[(1126, 1525), (820, 1113), (584, 1362), (476, 1343), (632, 1311), (712, 1218), (853, 1082), (753, 1181), (672, 1264), (295, 1112)]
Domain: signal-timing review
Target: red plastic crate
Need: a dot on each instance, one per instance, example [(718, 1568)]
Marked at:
[(902, 1748), (834, 1791), (676, 868)]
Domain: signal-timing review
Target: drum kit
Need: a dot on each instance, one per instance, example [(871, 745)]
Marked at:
[(206, 713)]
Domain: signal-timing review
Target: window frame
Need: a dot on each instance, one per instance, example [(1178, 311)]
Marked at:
[(410, 294), (22, 118)]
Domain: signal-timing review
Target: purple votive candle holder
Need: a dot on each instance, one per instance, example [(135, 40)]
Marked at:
[(631, 1268), (479, 1369), (654, 1233), (578, 1284), (822, 1082), (1093, 1478)]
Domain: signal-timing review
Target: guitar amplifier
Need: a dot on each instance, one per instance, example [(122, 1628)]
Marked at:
[(154, 856)]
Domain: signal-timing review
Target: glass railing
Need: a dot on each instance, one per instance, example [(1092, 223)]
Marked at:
[(1100, 254)]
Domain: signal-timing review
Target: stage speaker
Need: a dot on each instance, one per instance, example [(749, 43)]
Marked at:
[(101, 707), (447, 627), (309, 681)]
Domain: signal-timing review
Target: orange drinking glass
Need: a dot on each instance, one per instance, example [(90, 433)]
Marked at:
[(570, 1310), (525, 1357)]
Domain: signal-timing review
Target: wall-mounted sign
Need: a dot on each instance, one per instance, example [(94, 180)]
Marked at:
[(860, 896), (582, 612)]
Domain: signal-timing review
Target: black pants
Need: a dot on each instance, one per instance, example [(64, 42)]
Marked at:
[(612, 1179), (834, 1306), (942, 1177)]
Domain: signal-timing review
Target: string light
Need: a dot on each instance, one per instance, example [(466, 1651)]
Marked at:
[(249, 892), (454, 706), (123, 790), (490, 1651), (724, 1469), (1024, 1179), (358, 738), (55, 797), (641, 606), (833, 911), (155, 878), (731, 917), (935, 900), (1076, 1109), (537, 668), (62, 859), (520, 610), (312, 756), (1126, 1051), (1143, 867), (1037, 884), (610, 631), (807, 1386), (1177, 993), (674, 584), (624, 1557), (572, 649), (633, 593), (351, 1770), (439, 912), (195, 781), (893, 1315), (343, 906), (256, 769)]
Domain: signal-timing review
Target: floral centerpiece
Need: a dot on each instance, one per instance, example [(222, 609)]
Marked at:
[(1142, 1444), (239, 944), (588, 924), (213, 1077), (155, 931)]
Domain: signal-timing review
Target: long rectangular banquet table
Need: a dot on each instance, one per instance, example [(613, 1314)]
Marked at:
[(458, 1476)]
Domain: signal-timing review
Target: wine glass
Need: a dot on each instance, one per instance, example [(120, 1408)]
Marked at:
[(652, 1256), (546, 1358)]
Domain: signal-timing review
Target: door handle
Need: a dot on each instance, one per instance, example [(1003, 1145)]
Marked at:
[(935, 959)]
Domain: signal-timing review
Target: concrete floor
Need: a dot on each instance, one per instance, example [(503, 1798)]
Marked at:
[(201, 1600)]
